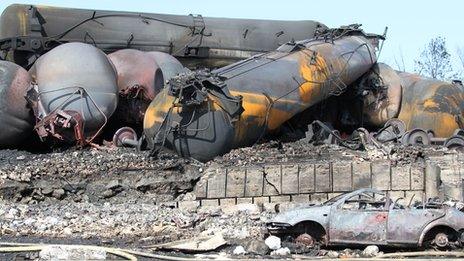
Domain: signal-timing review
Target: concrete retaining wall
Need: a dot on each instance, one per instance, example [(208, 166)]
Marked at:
[(306, 182)]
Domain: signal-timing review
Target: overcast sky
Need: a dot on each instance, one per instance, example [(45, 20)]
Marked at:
[(411, 23)]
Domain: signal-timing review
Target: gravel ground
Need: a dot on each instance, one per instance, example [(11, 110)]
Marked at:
[(139, 223), (111, 196)]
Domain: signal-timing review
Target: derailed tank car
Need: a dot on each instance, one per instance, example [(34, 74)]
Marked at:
[(421, 103), (74, 93), (27, 32), (15, 116), (205, 115)]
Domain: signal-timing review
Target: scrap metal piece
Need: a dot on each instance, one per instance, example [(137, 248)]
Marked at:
[(15, 116), (193, 245), (319, 132), (202, 115), (458, 132), (74, 94), (394, 129), (364, 136), (125, 137)]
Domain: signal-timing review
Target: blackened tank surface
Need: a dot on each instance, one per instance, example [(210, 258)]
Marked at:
[(76, 86), (16, 117), (193, 39), (382, 94), (140, 79), (431, 104), (169, 65), (137, 71), (202, 115)]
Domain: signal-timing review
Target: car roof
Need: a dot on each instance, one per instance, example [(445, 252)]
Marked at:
[(359, 191)]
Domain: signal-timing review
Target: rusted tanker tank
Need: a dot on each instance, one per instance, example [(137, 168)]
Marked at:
[(139, 80), (420, 102), (74, 93), (431, 104), (28, 31), (15, 116), (141, 76), (382, 89), (169, 65), (202, 115)]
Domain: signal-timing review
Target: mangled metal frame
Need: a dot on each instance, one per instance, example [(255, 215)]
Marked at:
[(58, 122)]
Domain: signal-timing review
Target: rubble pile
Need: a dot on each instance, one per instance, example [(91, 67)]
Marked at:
[(301, 151), (123, 174), (153, 226), (127, 223), (93, 175), (23, 166)]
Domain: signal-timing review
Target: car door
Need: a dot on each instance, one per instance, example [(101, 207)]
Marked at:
[(405, 225), (358, 221)]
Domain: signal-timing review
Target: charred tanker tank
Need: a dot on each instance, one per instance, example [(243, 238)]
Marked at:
[(74, 93), (431, 104), (28, 31), (169, 65), (141, 76), (140, 79), (202, 115), (15, 115), (421, 103)]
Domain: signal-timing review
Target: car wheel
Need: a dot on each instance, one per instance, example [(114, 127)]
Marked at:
[(309, 233), (306, 240), (441, 240)]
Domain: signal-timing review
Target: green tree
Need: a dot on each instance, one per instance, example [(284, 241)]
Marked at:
[(435, 60)]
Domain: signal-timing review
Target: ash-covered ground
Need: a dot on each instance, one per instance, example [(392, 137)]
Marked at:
[(113, 196)]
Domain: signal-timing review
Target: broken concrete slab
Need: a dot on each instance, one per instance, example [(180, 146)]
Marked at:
[(198, 244)]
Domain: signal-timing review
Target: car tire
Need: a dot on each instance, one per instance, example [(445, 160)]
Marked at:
[(441, 240)]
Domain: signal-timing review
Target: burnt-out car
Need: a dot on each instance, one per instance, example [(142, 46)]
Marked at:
[(368, 216)]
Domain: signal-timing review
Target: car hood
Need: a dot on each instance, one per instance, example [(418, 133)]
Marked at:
[(315, 213)]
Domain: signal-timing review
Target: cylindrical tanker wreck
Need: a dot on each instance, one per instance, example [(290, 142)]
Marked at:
[(74, 93), (28, 31), (430, 105), (202, 115), (15, 116), (105, 72), (141, 76)]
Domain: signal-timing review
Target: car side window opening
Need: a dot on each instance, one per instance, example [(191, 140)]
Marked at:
[(369, 201)]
